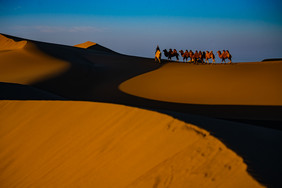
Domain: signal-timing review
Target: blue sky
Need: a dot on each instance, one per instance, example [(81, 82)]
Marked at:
[(250, 29)]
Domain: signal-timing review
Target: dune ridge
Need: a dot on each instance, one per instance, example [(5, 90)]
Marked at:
[(257, 83), (29, 64), (94, 46), (100, 145), (85, 44), (10, 44)]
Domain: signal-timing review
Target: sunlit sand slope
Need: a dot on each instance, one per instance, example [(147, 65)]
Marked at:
[(23, 63), (236, 84), (94, 46), (85, 44), (83, 144), (9, 44)]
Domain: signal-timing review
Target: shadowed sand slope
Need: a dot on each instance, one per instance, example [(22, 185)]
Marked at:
[(83, 144), (236, 84), (11, 91), (27, 65)]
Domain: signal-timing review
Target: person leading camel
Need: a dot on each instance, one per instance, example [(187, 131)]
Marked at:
[(158, 48), (158, 55)]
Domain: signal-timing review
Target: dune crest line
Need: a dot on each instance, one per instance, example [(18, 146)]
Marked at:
[(101, 145)]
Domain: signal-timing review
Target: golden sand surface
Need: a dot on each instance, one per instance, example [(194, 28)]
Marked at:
[(257, 83), (88, 144), (28, 64), (85, 44), (10, 44)]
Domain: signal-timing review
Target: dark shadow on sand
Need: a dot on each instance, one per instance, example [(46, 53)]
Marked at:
[(11, 91)]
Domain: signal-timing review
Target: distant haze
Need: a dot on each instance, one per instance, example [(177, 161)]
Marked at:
[(250, 30)]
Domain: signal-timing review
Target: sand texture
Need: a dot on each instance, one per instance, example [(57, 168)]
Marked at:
[(27, 65), (257, 83), (85, 44), (83, 144), (10, 44)]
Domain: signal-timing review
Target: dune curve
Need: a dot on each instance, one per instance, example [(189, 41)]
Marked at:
[(257, 83), (71, 144), (27, 65), (10, 44)]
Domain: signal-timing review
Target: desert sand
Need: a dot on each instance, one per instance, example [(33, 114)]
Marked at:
[(56, 141), (257, 83), (85, 44), (10, 44), (83, 144), (21, 62)]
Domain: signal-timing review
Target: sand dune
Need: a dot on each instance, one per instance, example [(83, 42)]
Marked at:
[(11, 91), (94, 46), (89, 144), (83, 144), (256, 83), (85, 44), (27, 65), (10, 44)]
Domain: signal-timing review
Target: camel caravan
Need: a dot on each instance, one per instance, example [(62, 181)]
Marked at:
[(195, 57)]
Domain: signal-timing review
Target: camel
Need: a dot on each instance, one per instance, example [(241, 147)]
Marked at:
[(191, 55), (229, 56), (201, 56), (197, 56), (169, 54), (185, 55), (174, 53), (224, 55), (158, 56), (210, 55)]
